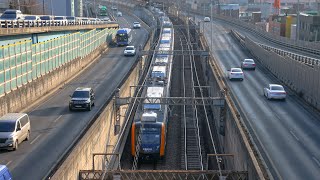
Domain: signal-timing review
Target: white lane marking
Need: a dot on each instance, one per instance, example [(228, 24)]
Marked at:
[(292, 133), (57, 119), (35, 139), (316, 160), (8, 163)]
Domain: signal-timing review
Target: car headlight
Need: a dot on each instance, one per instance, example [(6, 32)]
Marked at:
[(10, 139), (88, 101)]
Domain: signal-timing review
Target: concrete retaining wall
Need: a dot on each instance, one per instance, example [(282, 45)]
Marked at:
[(25, 95), (99, 138)]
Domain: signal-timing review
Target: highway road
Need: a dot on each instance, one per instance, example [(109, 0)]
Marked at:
[(287, 131), (53, 127)]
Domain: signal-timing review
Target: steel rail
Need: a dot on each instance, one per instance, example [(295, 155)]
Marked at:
[(188, 162), (207, 119)]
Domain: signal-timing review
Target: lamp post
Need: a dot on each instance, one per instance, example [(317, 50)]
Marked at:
[(211, 22), (19, 4), (95, 8), (298, 21), (51, 7), (43, 7)]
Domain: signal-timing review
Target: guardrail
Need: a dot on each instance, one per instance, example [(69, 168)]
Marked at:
[(298, 57), (304, 59), (42, 23)]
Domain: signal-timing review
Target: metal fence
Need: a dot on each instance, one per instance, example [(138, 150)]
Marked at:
[(50, 23), (23, 62), (164, 175)]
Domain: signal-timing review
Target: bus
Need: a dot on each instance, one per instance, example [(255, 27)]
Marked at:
[(103, 10), (123, 37)]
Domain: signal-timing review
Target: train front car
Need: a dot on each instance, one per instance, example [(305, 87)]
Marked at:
[(152, 137), (148, 131)]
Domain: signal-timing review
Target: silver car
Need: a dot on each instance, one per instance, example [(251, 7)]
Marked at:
[(14, 129), (274, 91), (248, 64)]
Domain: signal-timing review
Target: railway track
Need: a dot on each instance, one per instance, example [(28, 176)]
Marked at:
[(192, 149), (188, 140)]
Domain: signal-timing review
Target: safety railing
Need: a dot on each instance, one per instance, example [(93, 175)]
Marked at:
[(43, 23), (162, 174), (304, 59), (24, 62), (298, 57)]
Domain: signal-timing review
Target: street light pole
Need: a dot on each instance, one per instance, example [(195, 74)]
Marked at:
[(211, 22), (51, 7), (298, 21), (95, 8), (19, 4), (43, 7)]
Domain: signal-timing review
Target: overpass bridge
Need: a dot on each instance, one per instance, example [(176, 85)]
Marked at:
[(39, 75)]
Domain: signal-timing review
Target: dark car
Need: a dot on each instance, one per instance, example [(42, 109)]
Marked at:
[(82, 98)]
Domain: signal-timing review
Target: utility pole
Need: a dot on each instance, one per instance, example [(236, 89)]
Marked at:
[(19, 4), (51, 7), (43, 7), (298, 22), (211, 22)]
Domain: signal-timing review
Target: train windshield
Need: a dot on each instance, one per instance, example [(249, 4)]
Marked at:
[(150, 136)]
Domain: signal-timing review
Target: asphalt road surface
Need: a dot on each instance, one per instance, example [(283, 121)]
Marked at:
[(54, 127), (257, 38), (286, 131)]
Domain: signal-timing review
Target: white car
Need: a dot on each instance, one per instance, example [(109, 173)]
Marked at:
[(235, 73), (248, 64), (129, 51), (136, 25), (274, 91), (119, 14), (206, 19)]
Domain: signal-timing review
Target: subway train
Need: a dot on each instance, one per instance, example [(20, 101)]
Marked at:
[(149, 128)]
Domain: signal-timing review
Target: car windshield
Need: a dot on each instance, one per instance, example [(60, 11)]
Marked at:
[(45, 17), (236, 70), (150, 136), (9, 16), (248, 60), (30, 18), (7, 126), (164, 41), (277, 88), (129, 48), (80, 94), (58, 18)]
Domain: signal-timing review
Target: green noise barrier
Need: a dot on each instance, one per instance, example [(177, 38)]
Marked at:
[(23, 62)]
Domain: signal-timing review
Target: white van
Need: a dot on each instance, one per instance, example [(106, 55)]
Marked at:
[(14, 128)]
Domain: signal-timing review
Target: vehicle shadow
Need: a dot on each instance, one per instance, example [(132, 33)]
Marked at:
[(50, 111)]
